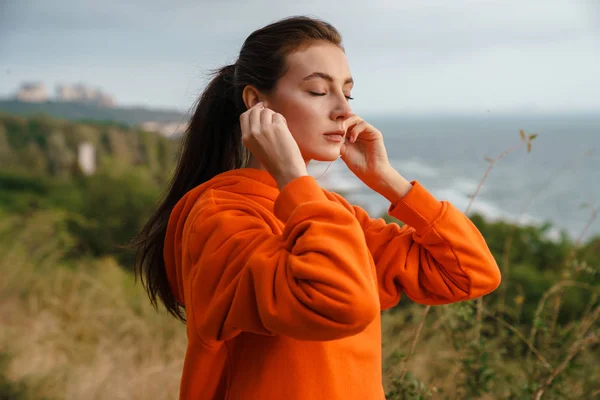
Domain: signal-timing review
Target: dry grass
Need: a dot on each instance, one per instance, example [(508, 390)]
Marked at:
[(82, 331), (86, 331)]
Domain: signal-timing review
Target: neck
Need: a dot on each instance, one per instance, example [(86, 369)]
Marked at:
[(254, 163)]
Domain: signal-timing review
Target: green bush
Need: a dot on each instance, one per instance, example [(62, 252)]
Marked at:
[(10, 390)]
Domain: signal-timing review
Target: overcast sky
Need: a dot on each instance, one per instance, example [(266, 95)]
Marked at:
[(420, 56)]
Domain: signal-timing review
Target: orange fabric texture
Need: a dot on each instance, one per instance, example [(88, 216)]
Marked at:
[(283, 290)]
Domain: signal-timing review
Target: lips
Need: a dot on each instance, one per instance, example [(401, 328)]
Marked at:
[(339, 132), (336, 136)]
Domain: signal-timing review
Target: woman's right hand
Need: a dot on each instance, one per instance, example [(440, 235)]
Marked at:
[(266, 134)]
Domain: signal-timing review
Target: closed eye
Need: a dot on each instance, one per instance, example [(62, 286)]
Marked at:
[(323, 94)]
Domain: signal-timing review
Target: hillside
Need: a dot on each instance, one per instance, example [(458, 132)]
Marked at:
[(107, 190), (46, 146), (75, 325), (89, 112)]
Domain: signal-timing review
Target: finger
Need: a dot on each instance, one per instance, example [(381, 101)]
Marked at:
[(279, 118), (352, 124), (255, 119), (266, 116), (363, 126), (355, 131), (353, 120)]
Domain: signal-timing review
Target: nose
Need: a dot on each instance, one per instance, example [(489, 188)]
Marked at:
[(342, 111)]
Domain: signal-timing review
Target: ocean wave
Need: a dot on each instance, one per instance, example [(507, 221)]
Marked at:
[(457, 191), (414, 167)]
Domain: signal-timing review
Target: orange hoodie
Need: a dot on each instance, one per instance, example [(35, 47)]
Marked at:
[(283, 290)]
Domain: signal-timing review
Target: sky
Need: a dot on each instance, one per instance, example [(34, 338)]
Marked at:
[(412, 57)]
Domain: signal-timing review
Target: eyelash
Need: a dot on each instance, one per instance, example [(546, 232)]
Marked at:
[(323, 94)]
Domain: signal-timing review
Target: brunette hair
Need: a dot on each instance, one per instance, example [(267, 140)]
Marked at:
[(212, 143)]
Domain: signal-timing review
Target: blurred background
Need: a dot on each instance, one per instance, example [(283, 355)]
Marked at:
[(492, 105)]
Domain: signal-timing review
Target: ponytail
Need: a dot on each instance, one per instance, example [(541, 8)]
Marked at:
[(212, 144), (213, 140)]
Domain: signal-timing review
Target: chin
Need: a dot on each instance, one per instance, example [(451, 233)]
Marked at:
[(326, 156)]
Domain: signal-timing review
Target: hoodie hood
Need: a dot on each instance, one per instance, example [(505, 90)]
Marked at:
[(248, 182)]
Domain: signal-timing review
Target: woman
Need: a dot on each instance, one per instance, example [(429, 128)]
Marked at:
[(282, 282)]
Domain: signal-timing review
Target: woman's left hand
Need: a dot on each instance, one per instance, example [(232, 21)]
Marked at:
[(364, 151)]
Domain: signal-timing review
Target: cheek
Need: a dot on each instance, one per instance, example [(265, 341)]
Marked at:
[(302, 115)]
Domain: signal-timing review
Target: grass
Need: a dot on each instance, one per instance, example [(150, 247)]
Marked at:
[(82, 329)]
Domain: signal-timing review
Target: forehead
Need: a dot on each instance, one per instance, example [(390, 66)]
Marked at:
[(318, 57)]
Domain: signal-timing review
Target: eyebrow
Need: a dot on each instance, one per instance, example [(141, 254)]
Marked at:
[(325, 76)]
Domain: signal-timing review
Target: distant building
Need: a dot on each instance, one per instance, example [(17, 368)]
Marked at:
[(167, 129), (81, 93), (86, 158), (32, 92), (106, 100), (66, 93)]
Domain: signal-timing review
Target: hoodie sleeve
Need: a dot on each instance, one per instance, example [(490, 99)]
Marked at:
[(314, 281), (438, 257)]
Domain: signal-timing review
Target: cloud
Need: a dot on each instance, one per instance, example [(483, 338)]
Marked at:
[(427, 50), (433, 28), (420, 28)]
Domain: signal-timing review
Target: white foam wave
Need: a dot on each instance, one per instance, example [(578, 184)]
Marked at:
[(337, 178), (490, 211), (414, 167), (465, 185), (458, 192)]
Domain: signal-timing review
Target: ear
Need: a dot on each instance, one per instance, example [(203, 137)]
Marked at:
[(251, 96)]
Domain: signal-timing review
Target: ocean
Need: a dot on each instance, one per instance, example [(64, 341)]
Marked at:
[(558, 182)]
